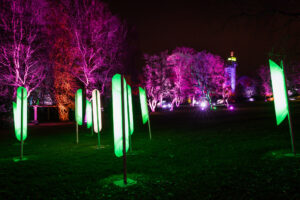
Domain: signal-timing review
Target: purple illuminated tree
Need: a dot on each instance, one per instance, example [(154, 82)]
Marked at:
[(181, 61), (99, 38), (208, 75), (22, 51), (249, 86), (265, 77), (157, 79)]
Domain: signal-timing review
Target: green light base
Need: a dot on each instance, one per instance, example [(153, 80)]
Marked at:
[(134, 153), (18, 159), (291, 155), (101, 147), (120, 183), (281, 154)]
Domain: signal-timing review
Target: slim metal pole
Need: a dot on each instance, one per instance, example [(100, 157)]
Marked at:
[(77, 139), (92, 127), (98, 125), (149, 127), (123, 132), (21, 155), (291, 133), (289, 116)]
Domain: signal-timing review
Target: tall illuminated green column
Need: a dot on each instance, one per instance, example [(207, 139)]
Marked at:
[(280, 97), (78, 111), (144, 109), (97, 113), (130, 107), (119, 112), (120, 119), (88, 113), (20, 116)]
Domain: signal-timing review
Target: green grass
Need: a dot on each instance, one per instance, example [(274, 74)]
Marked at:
[(192, 155)]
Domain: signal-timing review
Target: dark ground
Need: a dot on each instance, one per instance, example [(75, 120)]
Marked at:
[(193, 155)]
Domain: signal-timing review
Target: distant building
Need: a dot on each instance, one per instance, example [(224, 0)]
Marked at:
[(230, 72)]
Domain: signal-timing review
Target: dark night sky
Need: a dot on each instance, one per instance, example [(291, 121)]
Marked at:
[(215, 26)]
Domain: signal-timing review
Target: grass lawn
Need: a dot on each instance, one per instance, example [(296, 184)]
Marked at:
[(192, 155)]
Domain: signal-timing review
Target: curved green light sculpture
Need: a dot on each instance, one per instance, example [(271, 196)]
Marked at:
[(279, 91), (88, 113), (20, 114), (131, 124), (78, 107), (117, 114), (97, 118), (144, 105)]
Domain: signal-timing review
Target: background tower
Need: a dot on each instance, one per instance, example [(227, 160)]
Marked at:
[(230, 72)]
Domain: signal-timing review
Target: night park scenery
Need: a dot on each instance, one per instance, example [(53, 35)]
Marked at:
[(107, 99)]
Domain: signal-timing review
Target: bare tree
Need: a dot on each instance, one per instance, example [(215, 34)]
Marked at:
[(181, 61), (99, 38), (21, 59)]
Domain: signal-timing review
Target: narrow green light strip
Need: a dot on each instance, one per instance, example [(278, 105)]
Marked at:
[(144, 105), (18, 112), (130, 109), (117, 115), (279, 91), (97, 118), (78, 106), (89, 114), (126, 113)]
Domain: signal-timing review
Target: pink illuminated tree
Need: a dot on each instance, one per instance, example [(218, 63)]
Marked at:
[(208, 75), (181, 61), (22, 58), (157, 79), (265, 77), (99, 40)]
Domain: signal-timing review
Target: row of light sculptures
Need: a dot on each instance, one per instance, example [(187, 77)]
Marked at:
[(122, 113)]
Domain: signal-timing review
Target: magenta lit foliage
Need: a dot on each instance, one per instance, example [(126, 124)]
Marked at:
[(99, 38), (157, 79), (181, 60), (265, 78), (248, 85), (184, 74), (208, 75), (22, 52)]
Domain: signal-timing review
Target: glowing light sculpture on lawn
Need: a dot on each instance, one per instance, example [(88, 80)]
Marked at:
[(78, 111), (120, 119), (78, 107), (144, 109), (89, 113), (131, 123), (118, 115), (280, 97), (97, 113), (20, 116)]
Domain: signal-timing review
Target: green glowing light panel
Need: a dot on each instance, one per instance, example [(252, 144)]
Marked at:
[(78, 106), (97, 111), (88, 113), (279, 91), (117, 114), (20, 113), (144, 106), (131, 124)]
